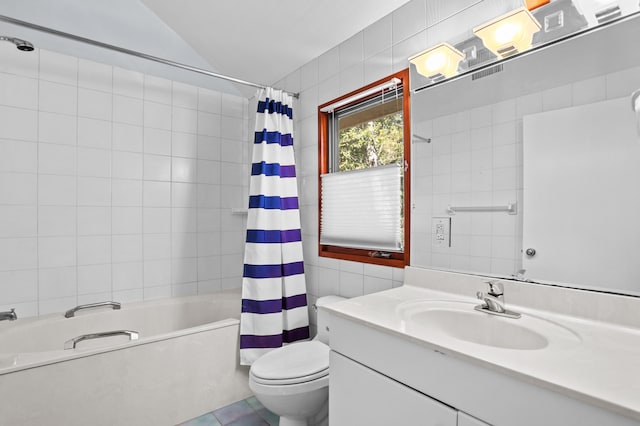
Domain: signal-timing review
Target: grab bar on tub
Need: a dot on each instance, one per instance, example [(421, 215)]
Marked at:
[(71, 312), (71, 343)]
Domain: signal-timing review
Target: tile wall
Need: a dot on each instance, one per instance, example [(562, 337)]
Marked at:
[(115, 185), (478, 150)]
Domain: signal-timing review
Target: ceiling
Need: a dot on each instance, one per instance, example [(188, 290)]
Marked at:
[(263, 41), (254, 40)]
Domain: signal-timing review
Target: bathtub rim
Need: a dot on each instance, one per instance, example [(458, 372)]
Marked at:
[(32, 360)]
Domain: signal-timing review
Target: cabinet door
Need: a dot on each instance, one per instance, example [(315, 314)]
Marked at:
[(361, 396), (466, 420)]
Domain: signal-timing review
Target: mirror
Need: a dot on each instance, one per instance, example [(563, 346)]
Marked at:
[(535, 152)]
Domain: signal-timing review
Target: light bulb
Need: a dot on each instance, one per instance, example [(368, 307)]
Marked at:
[(508, 32)]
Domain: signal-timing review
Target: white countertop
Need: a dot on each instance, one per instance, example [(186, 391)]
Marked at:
[(600, 367)]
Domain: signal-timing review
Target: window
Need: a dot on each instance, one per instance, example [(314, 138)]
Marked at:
[(364, 199)]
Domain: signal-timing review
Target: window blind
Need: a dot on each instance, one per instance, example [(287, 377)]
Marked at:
[(363, 208)]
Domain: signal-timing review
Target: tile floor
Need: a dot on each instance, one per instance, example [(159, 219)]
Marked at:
[(248, 412)]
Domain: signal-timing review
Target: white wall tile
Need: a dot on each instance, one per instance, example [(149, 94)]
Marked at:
[(18, 123), (56, 221), (18, 253), (128, 110), (56, 252), (18, 91), (94, 279), (156, 220), (183, 170), (157, 89), (127, 137), (126, 276), (94, 220), (18, 286), (184, 145), (95, 104), (126, 248), (157, 115), (209, 101), (184, 219), (94, 162), (126, 220), (157, 273), (57, 159), (377, 36), (18, 188), (18, 156), (184, 120), (157, 141), (94, 133), (156, 194), (409, 20), (94, 75), (58, 98), (157, 167), (56, 190), (18, 221), (208, 124), (57, 282), (94, 191), (328, 64), (127, 165), (58, 67), (94, 250), (184, 95), (157, 246), (128, 83), (184, 245)]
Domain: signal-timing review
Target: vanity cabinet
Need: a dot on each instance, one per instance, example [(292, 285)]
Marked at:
[(361, 396), (382, 378)]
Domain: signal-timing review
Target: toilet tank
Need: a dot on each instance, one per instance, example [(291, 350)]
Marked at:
[(323, 317)]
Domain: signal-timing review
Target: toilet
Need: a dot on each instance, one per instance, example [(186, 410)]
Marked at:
[(293, 381)]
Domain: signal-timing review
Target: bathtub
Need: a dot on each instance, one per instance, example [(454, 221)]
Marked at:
[(183, 364)]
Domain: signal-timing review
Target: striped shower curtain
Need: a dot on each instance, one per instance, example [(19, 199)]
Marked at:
[(274, 300)]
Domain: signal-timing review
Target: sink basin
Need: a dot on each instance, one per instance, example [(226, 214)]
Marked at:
[(459, 321)]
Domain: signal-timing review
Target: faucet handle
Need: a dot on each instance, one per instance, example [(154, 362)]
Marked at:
[(495, 288)]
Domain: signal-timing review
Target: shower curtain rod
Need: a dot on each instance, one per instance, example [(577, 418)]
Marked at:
[(132, 52)]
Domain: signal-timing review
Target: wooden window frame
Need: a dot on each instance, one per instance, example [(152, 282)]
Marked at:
[(398, 260)]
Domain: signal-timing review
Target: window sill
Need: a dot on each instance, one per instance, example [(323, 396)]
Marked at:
[(397, 260)]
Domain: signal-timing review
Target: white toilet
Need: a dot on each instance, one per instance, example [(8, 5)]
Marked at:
[(293, 381)]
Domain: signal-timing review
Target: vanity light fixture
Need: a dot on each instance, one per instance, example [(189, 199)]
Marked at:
[(438, 62), (510, 33)]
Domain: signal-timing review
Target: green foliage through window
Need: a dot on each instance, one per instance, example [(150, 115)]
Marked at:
[(377, 142)]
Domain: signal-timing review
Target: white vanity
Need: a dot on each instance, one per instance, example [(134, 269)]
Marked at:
[(421, 355)]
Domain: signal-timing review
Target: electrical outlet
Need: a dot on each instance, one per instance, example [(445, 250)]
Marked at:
[(441, 232)]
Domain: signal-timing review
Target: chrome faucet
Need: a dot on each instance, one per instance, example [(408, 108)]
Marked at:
[(494, 301), (9, 315)]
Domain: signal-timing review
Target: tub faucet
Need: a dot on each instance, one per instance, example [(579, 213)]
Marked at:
[(9, 315), (494, 301)]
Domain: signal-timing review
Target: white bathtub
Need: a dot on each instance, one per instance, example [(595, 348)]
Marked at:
[(184, 364)]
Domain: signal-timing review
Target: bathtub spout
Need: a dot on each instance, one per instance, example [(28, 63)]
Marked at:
[(71, 312), (9, 315)]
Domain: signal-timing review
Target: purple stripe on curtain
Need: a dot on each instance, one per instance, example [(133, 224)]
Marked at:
[(275, 340), (273, 271), (296, 334), (273, 137), (270, 236), (277, 203), (273, 306)]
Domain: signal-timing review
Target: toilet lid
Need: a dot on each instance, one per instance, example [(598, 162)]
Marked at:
[(295, 362)]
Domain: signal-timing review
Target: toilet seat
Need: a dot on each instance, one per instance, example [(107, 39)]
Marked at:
[(292, 364)]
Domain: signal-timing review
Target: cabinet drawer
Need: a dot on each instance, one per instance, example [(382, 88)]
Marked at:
[(361, 396)]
